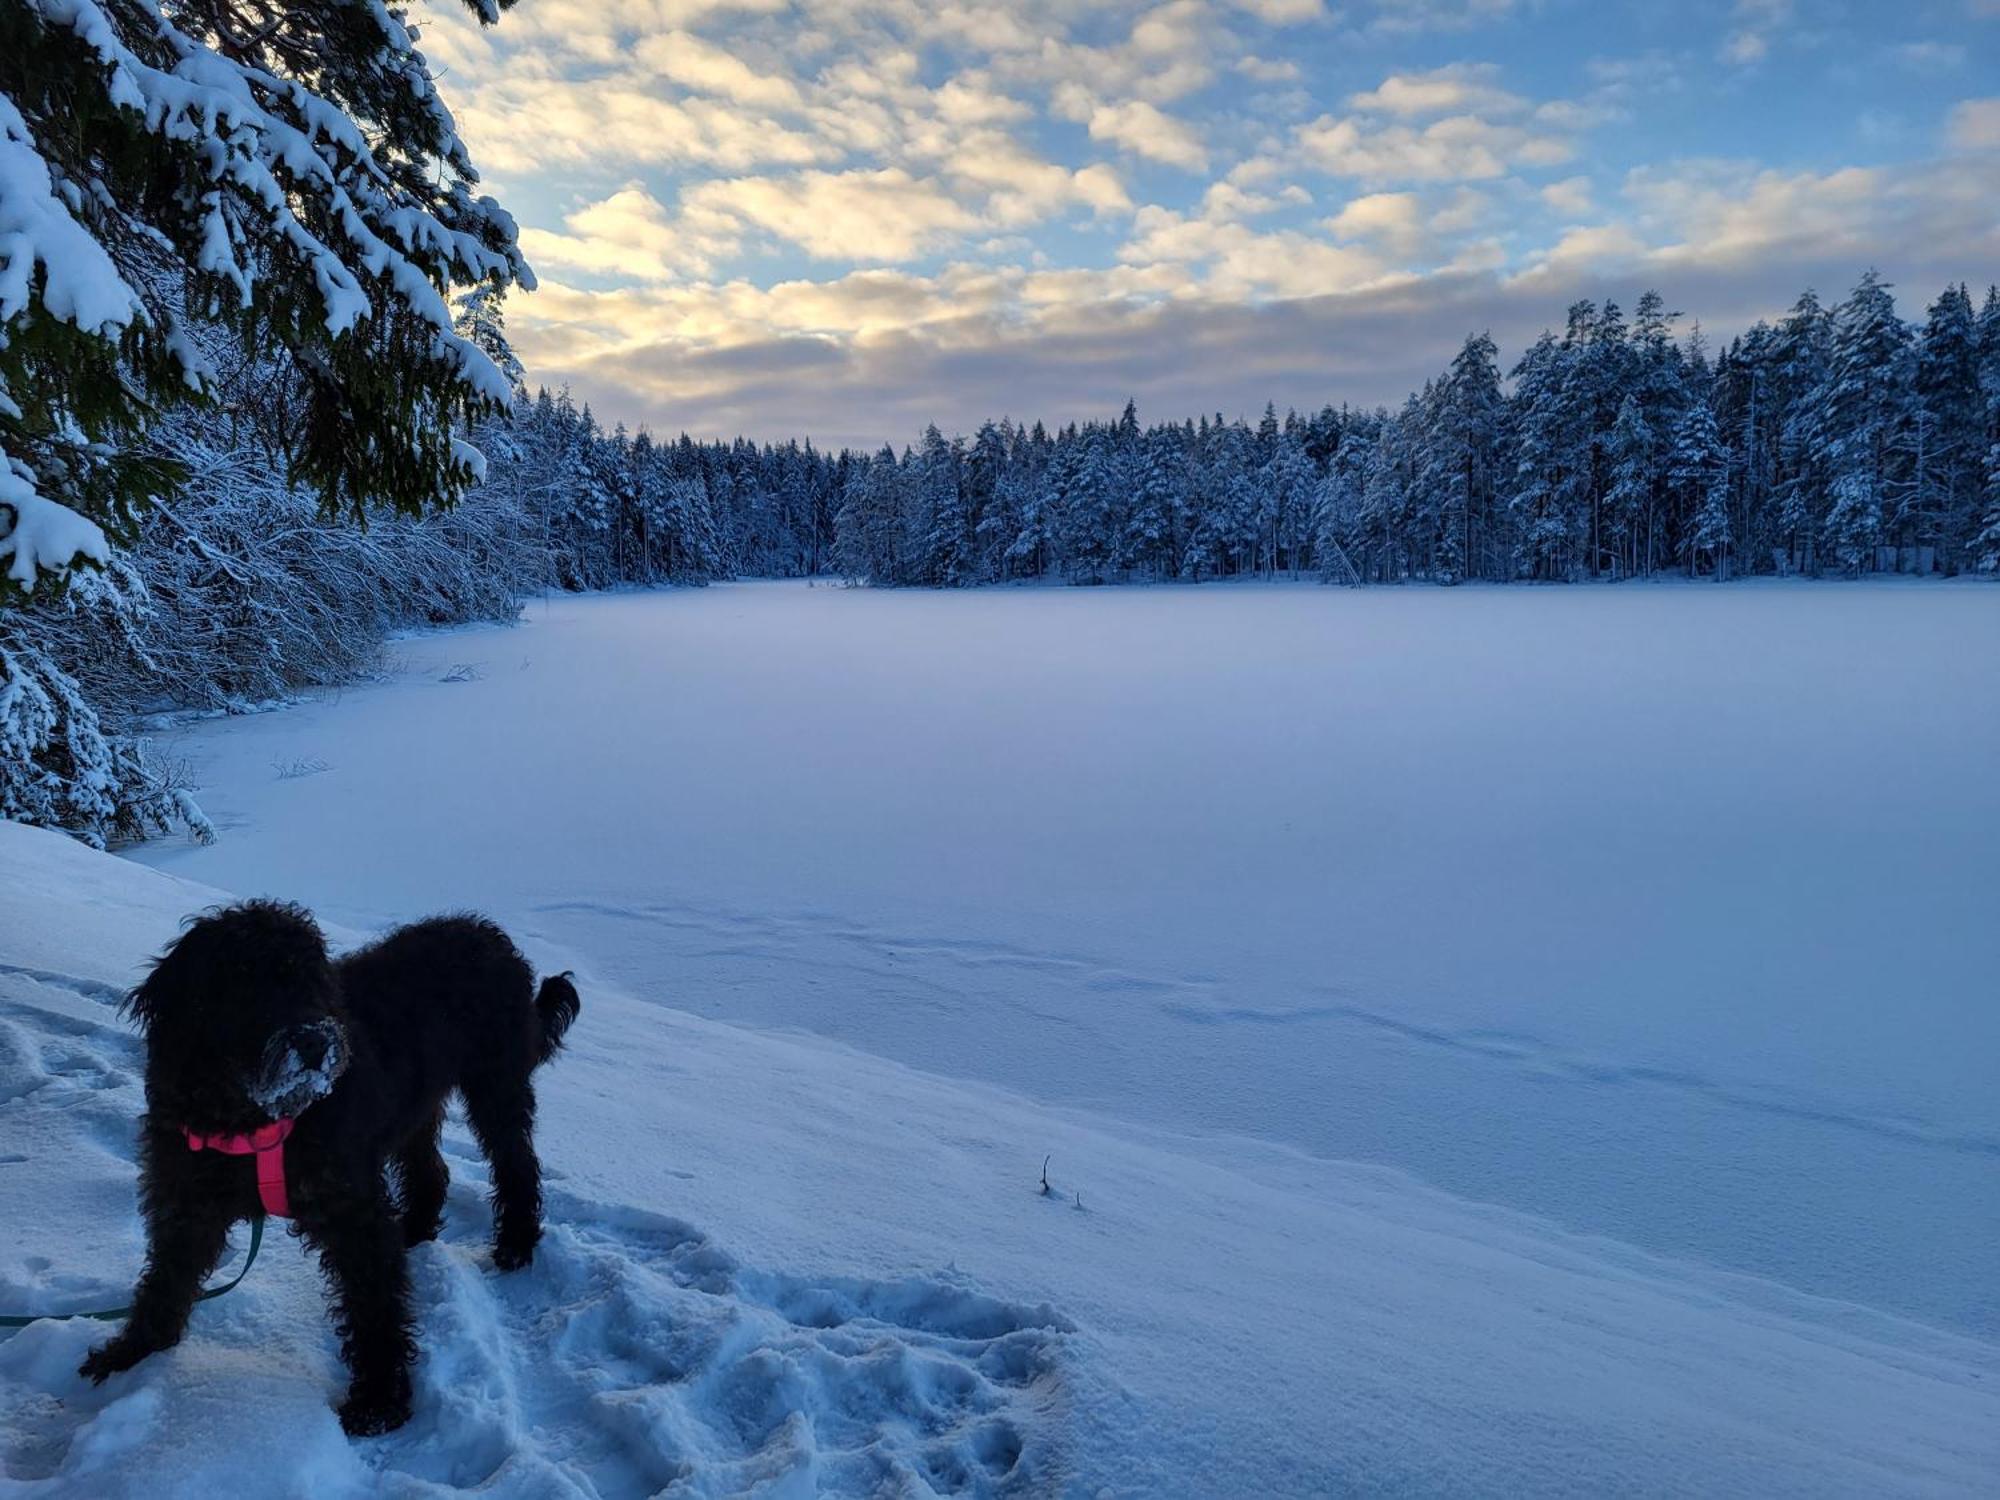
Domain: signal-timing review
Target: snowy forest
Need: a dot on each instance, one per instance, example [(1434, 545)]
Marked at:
[(1839, 441)]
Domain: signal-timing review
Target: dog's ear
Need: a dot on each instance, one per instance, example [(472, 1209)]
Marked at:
[(156, 994), (143, 1005)]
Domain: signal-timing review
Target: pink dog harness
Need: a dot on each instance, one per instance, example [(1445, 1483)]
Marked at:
[(267, 1144)]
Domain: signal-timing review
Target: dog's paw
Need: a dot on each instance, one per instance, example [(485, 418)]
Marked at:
[(109, 1359), (512, 1257), (371, 1413), (419, 1232)]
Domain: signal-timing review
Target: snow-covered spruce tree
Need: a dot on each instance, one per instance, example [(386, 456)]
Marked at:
[(868, 545), (1156, 529), (1866, 412), (1986, 545), (1337, 506), (286, 175), (288, 172), (1941, 505), (1701, 467), (945, 542), (1628, 503)]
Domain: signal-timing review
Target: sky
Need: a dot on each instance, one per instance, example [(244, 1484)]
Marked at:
[(844, 219)]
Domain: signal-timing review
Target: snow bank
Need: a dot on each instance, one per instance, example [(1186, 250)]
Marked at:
[(778, 1266)]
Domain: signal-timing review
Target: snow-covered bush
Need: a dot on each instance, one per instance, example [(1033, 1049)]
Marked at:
[(58, 765)]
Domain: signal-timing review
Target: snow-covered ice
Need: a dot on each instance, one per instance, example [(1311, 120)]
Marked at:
[(1664, 912), (1520, 1041)]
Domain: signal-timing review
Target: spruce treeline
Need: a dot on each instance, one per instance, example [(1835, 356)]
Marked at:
[(1837, 441), (1834, 442)]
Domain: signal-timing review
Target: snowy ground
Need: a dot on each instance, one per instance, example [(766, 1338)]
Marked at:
[(1505, 1041)]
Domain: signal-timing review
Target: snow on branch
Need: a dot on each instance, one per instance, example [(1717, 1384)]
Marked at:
[(80, 283), (238, 114), (39, 536)]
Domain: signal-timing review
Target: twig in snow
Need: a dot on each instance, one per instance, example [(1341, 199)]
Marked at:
[(1047, 1191)]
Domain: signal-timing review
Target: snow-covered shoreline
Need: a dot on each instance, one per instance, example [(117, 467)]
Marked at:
[(1330, 1008), (778, 1261)]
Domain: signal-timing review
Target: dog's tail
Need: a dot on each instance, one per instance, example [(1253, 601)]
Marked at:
[(557, 1004)]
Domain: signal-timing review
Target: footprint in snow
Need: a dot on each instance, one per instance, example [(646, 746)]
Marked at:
[(637, 1358)]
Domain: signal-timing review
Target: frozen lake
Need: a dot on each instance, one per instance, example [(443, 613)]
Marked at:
[(1663, 912)]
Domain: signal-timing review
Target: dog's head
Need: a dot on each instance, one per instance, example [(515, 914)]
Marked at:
[(243, 1020)]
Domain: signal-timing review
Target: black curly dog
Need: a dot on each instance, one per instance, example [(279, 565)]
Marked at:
[(247, 1021)]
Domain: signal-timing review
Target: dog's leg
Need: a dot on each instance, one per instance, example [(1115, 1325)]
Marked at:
[(185, 1237), (361, 1251), (503, 1117), (421, 1171)]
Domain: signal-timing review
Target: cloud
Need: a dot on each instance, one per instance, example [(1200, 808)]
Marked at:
[(631, 234), (1282, 12), (884, 215), (1571, 197), (1467, 209), (1393, 220), (1931, 57), (1143, 130), (1597, 246), (1170, 52), (1459, 147), (1393, 17), (1274, 70), (1456, 89), (1073, 344), (1744, 48), (914, 151), (1023, 189), (524, 124), (682, 58), (1227, 200), (1974, 125), (1742, 218), (1226, 258), (1759, 21)]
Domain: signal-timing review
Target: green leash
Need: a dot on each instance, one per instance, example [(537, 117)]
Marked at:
[(113, 1314)]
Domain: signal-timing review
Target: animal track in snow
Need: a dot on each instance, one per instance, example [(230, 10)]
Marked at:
[(646, 1360), (1527, 1052)]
